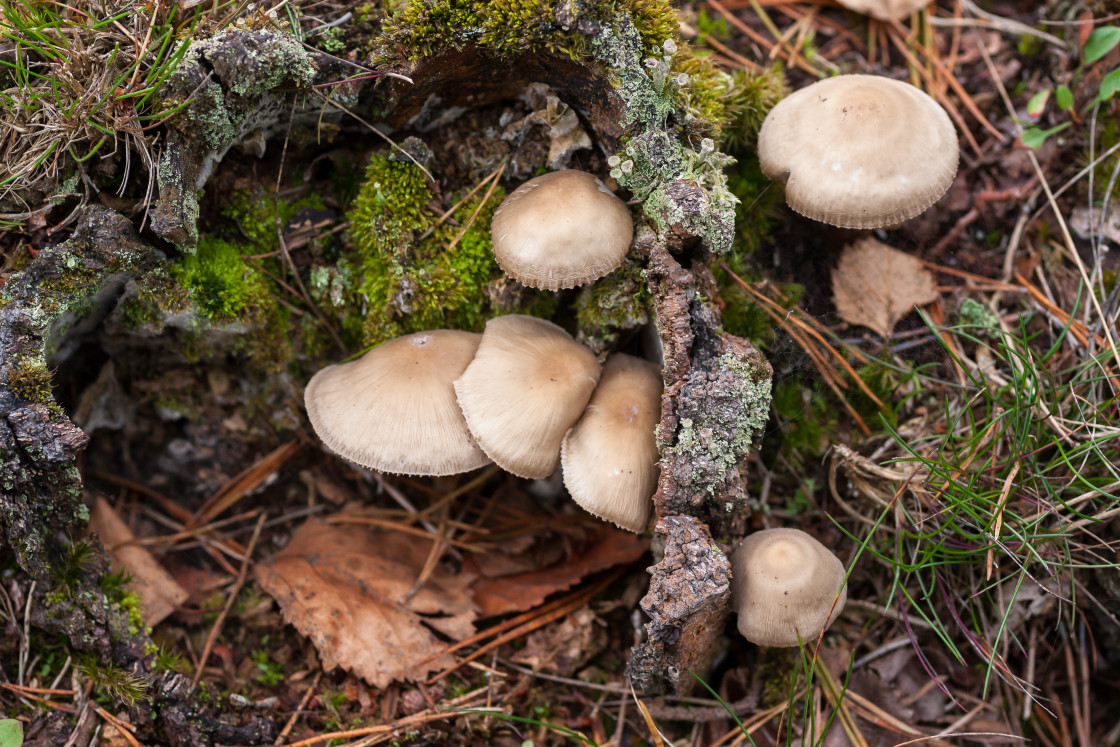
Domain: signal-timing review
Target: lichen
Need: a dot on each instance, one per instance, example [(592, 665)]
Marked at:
[(721, 418), (228, 85)]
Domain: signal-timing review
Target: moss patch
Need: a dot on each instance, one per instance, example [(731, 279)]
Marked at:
[(405, 283), (30, 380), (508, 28)]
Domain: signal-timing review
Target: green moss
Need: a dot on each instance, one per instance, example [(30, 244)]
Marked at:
[(390, 209), (226, 290), (255, 213), (221, 285), (746, 104), (111, 683), (656, 20), (509, 28), (619, 301), (806, 417), (406, 283), (30, 380), (131, 605)]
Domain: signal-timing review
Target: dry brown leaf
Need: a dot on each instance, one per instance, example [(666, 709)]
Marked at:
[(159, 593), (604, 547), (875, 285), (344, 588)]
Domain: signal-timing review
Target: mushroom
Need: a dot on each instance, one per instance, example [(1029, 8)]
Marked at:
[(527, 385), (394, 408), (561, 230), (785, 584), (885, 10), (610, 455), (859, 151)]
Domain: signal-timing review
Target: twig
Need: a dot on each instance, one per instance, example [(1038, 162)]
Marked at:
[(217, 629), (125, 730), (296, 713), (1066, 237), (423, 717)]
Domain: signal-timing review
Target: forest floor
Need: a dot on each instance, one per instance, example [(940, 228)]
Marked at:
[(963, 461)]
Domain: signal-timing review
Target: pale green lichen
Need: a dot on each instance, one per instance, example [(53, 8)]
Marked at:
[(715, 434)]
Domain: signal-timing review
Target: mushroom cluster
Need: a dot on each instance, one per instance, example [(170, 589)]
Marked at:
[(786, 586), (445, 401), (859, 151)]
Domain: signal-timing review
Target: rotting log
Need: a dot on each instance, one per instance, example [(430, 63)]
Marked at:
[(716, 386), (65, 293)]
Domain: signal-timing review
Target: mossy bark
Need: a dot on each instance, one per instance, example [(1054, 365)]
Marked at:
[(716, 386), (66, 290)]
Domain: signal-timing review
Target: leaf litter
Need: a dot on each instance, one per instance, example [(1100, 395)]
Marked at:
[(875, 285), (353, 591)]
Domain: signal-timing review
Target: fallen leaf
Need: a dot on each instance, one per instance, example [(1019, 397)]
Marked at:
[(603, 547), (344, 588), (875, 285), (159, 593)]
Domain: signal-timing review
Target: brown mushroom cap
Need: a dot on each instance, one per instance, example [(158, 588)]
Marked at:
[(885, 10), (610, 455), (561, 230), (394, 408), (783, 584), (859, 151), (527, 385)]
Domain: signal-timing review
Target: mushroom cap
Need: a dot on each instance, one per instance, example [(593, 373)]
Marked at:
[(394, 409), (859, 151), (885, 10), (561, 230), (610, 455), (783, 583), (527, 385)]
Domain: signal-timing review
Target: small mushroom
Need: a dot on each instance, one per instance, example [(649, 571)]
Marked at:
[(527, 385), (885, 10), (561, 230), (783, 585), (610, 455), (859, 151), (394, 408)]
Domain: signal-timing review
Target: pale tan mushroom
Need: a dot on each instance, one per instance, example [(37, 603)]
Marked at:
[(885, 10), (527, 385), (561, 230), (610, 455), (783, 585), (859, 151), (394, 409)]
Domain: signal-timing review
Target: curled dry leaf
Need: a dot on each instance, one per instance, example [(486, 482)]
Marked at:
[(345, 588), (158, 590), (876, 285), (600, 547)]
